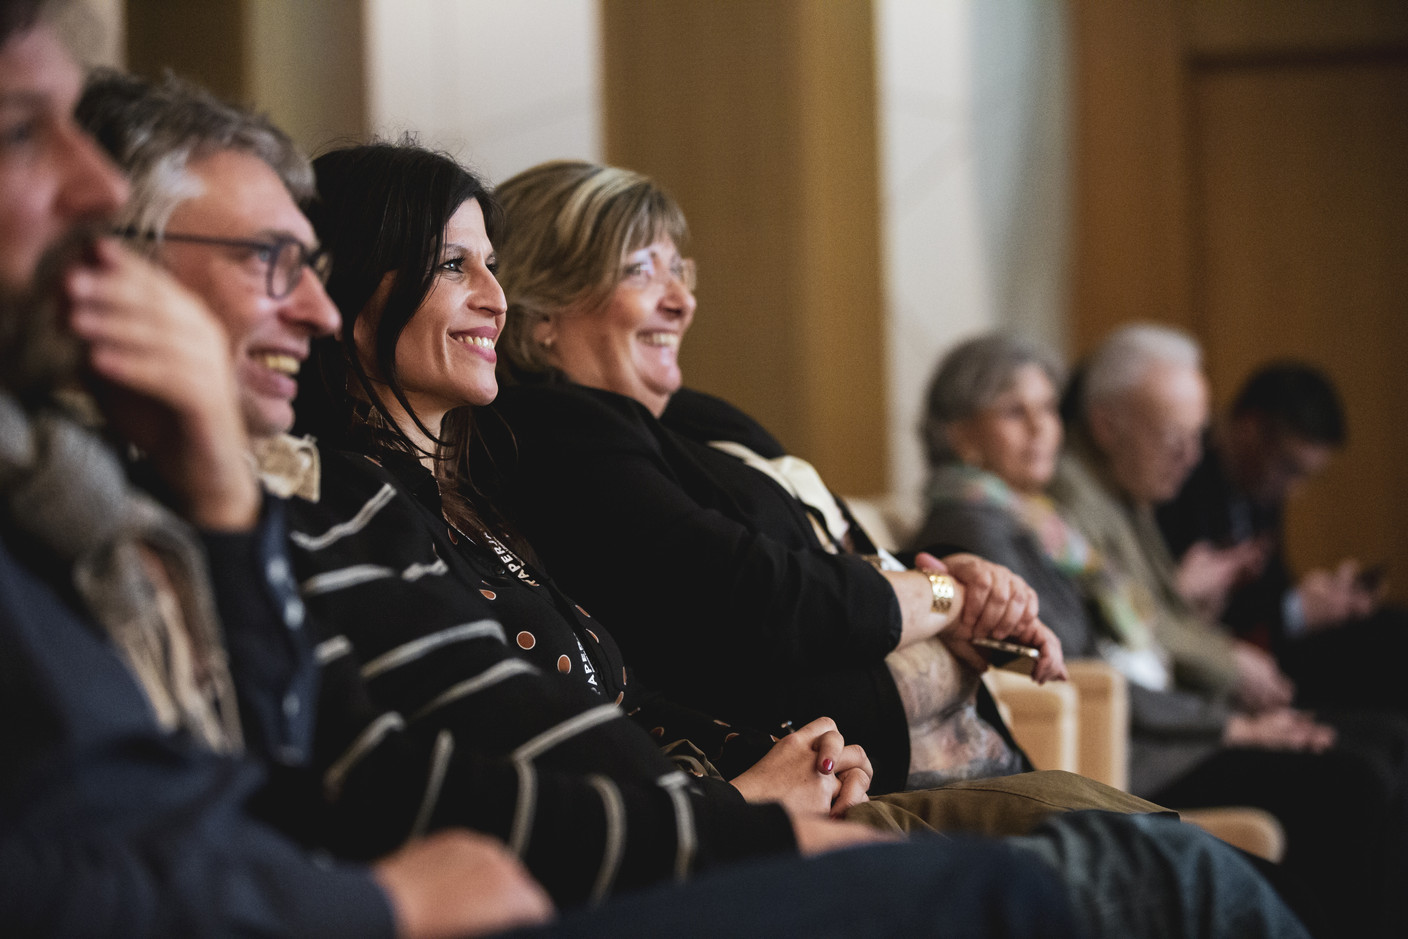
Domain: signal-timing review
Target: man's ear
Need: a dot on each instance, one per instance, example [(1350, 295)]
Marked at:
[(1104, 423)]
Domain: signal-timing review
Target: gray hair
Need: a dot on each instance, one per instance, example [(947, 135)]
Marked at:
[(970, 378), (155, 130), (1129, 353)]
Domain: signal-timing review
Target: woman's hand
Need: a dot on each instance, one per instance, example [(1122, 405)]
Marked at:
[(996, 604), (1051, 660), (168, 383), (810, 771)]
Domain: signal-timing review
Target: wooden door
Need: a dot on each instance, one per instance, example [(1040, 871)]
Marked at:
[(1242, 171)]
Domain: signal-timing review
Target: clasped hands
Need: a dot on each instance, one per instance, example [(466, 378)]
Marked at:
[(811, 771), (996, 604), (816, 777)]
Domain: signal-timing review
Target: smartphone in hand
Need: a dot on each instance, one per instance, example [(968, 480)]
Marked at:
[(1009, 655)]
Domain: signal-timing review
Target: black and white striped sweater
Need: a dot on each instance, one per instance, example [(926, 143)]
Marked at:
[(460, 688)]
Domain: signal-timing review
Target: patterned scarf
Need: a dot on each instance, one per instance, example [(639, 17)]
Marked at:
[(1122, 614), (136, 568)]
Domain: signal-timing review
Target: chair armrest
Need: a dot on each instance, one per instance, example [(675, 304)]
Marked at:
[(1104, 721), (1083, 726), (1044, 717), (1255, 831)]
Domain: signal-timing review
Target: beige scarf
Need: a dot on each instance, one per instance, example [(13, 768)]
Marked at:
[(138, 569)]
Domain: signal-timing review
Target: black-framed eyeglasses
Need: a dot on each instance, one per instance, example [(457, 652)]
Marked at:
[(284, 257)]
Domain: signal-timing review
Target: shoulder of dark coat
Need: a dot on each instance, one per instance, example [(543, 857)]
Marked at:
[(553, 407), (703, 418)]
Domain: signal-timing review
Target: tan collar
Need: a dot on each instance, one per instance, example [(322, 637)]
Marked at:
[(288, 466)]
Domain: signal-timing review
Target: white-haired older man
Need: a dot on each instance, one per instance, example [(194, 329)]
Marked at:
[(1142, 410)]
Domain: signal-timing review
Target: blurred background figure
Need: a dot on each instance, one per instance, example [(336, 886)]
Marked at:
[(993, 435), (1328, 629)]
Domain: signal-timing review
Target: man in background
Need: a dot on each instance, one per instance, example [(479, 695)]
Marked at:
[(1226, 526)]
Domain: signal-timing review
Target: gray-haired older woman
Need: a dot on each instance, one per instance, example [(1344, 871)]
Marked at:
[(992, 433)]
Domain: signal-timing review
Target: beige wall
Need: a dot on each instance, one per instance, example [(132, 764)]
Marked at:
[(501, 85), (301, 62), (957, 108), (973, 121), (109, 16), (305, 67)]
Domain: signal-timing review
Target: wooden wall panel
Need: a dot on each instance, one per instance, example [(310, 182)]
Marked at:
[(302, 63), (1294, 28), (203, 41), (759, 116), (1303, 199), (1131, 177), (1241, 173)]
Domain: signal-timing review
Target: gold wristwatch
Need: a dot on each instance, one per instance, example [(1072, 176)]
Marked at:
[(944, 589)]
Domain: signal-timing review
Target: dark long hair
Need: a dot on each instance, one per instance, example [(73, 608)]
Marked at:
[(382, 209)]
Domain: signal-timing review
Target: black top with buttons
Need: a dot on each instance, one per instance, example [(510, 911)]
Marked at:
[(461, 688)]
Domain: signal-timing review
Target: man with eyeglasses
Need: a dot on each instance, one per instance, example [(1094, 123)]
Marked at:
[(215, 202), (1329, 630), (126, 779)]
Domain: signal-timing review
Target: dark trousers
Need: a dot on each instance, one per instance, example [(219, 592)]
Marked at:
[(1343, 811), (927, 887), (1358, 665)]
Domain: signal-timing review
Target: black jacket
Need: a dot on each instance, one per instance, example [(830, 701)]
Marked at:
[(709, 573), (110, 825)]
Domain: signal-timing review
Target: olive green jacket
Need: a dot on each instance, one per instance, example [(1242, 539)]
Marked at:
[(1128, 537)]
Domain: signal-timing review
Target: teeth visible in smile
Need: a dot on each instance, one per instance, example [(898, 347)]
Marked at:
[(672, 340), (483, 342), (278, 362)]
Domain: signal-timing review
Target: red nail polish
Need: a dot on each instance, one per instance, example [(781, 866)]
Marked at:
[(826, 766)]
